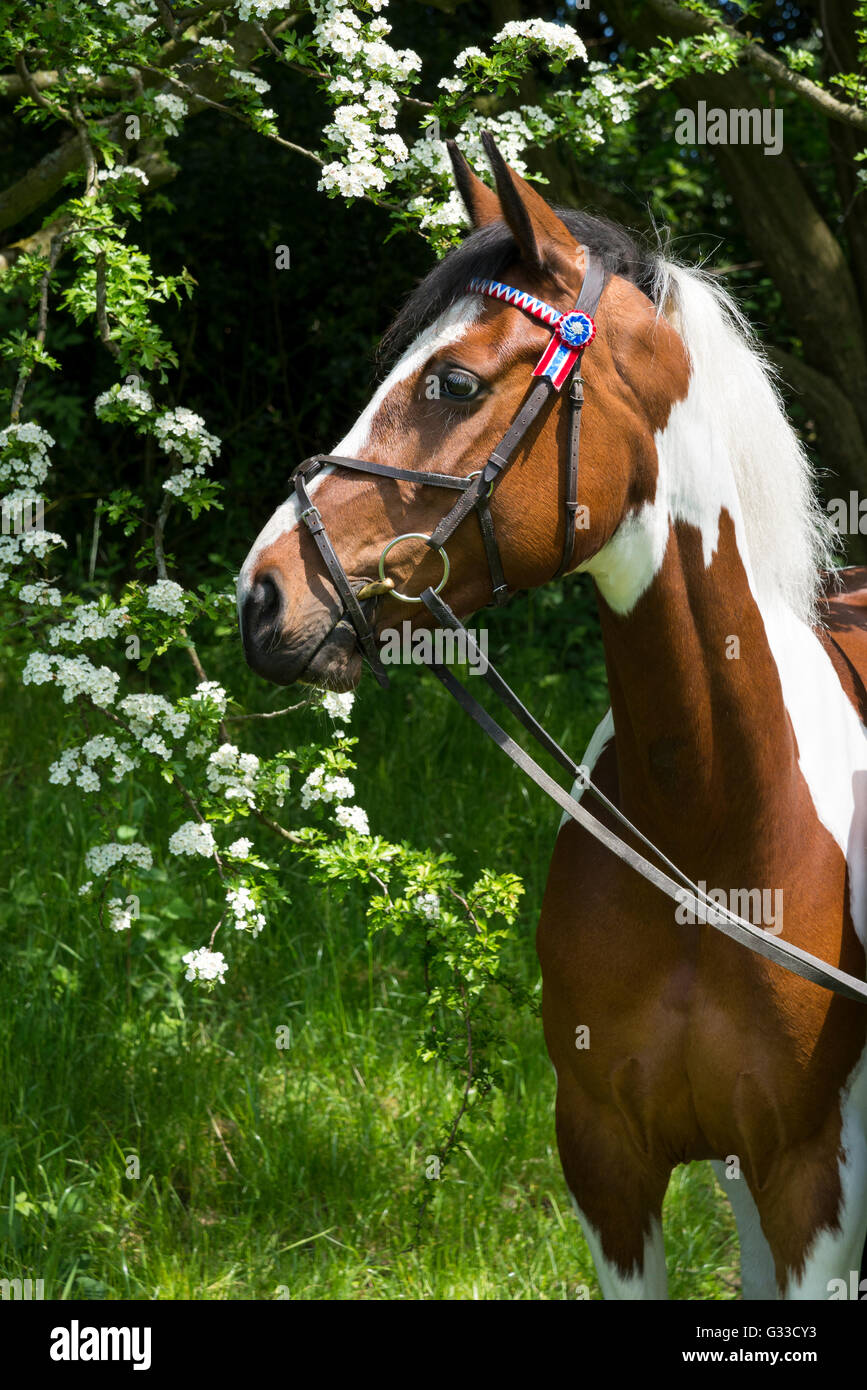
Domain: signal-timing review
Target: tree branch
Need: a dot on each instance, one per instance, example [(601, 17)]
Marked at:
[(693, 24), (101, 312), (57, 243)]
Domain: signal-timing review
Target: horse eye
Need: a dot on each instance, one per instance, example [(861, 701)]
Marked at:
[(460, 385)]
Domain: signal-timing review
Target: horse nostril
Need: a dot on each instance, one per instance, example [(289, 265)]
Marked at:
[(268, 599), (263, 609)]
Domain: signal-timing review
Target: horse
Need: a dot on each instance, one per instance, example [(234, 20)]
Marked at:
[(736, 740)]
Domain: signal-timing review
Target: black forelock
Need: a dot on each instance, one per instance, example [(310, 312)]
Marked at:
[(487, 252)]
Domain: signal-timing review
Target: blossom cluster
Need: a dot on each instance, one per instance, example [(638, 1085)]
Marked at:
[(41, 594), (555, 39), (192, 838), (205, 965), (243, 904), (320, 786), (231, 774), (367, 77), (89, 623), (212, 696), (77, 764), (428, 905), (74, 676), (182, 432), (166, 596), (24, 455), (101, 859), (339, 704), (249, 79), (123, 171), (169, 109), (119, 915), (135, 400), (14, 550), (353, 818), (150, 718)]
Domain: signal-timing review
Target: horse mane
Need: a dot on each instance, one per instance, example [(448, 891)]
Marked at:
[(789, 538)]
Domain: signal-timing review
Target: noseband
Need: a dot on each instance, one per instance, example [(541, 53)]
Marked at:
[(571, 333)]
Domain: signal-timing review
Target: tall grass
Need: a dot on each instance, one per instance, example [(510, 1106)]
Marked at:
[(267, 1173)]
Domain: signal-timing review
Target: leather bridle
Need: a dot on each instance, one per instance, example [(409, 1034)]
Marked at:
[(561, 361), (572, 332)]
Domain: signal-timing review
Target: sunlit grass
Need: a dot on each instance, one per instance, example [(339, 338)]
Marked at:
[(267, 1173)]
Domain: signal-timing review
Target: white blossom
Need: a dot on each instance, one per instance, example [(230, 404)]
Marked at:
[(127, 394), (143, 711), (78, 763), (428, 904), (556, 39), (122, 171), (100, 859), (353, 181), (170, 109), (182, 432), (41, 593), (320, 786), (75, 676), (204, 964), (466, 54), (167, 597), (119, 916), (193, 837), (245, 910), (38, 542), (353, 818), (249, 79), (29, 466), (339, 704), (232, 774), (211, 693), (216, 46), (89, 623)]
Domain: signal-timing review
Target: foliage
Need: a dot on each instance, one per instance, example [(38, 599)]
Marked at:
[(160, 758)]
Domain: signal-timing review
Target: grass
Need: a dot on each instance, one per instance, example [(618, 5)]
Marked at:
[(268, 1173)]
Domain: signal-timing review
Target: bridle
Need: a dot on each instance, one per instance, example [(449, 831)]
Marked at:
[(572, 332)]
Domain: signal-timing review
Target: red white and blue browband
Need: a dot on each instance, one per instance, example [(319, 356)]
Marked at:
[(572, 331)]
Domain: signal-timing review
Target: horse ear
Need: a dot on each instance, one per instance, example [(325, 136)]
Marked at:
[(543, 240), (481, 202)]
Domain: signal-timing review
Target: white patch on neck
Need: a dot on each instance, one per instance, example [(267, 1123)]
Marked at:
[(451, 326), (695, 483)]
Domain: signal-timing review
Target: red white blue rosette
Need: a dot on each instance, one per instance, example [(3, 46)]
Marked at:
[(572, 334)]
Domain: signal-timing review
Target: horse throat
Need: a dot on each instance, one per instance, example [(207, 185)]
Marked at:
[(704, 741)]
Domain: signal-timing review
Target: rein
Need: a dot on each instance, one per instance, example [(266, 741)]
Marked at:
[(571, 333)]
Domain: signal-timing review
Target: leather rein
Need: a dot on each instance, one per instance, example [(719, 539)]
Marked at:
[(572, 332)]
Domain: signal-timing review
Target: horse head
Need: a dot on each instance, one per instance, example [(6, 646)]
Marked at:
[(461, 379)]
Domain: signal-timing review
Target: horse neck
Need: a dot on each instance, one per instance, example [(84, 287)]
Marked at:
[(704, 743)]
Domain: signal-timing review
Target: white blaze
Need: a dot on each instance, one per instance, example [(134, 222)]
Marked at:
[(451, 325)]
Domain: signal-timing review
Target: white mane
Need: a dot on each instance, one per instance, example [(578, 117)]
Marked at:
[(788, 535)]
